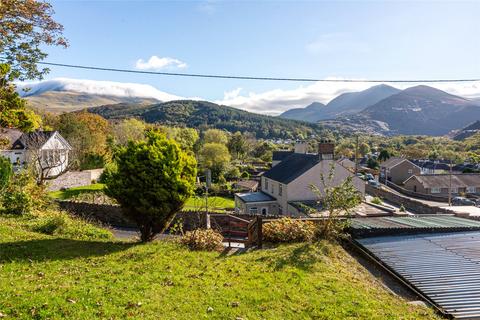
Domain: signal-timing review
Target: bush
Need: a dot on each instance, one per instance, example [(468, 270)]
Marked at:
[(151, 180), (6, 172), (289, 230), (203, 239), (22, 195), (377, 200)]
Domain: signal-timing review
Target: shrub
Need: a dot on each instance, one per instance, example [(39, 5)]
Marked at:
[(22, 194), (377, 200), (203, 239), (289, 230), (6, 172), (151, 180)]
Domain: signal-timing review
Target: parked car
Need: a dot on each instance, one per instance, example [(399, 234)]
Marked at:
[(360, 175), (461, 201), (374, 183), (369, 177)]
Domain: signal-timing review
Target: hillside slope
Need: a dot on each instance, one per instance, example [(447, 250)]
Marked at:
[(423, 110), (197, 114), (468, 131), (47, 277), (304, 114), (67, 101)]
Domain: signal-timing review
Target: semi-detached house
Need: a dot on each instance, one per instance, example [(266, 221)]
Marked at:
[(287, 186)]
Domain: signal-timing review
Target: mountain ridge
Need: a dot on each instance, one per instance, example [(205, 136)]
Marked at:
[(345, 103)]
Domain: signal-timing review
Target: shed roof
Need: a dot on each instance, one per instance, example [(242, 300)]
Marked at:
[(442, 267), (249, 184), (249, 197), (411, 224)]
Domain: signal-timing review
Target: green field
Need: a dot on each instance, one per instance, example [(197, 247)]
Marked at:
[(48, 277), (215, 203), (72, 192)]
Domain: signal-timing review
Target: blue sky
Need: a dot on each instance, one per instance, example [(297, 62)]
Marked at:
[(367, 40)]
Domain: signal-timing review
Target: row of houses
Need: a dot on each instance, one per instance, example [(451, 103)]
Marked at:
[(285, 189), (411, 176)]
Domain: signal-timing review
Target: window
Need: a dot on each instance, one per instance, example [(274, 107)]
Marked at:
[(265, 187), (435, 190), (253, 210), (280, 189), (273, 189), (264, 211), (410, 171), (454, 190), (471, 189)]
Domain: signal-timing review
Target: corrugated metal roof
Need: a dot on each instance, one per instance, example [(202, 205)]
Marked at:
[(362, 227), (444, 268)]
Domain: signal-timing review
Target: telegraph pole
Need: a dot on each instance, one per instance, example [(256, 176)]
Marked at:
[(208, 183), (450, 186), (356, 155)]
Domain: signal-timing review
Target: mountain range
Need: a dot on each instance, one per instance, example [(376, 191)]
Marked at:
[(381, 109), (344, 104), (419, 110)]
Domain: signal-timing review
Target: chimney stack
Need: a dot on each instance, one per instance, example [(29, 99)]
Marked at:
[(326, 149), (301, 146)]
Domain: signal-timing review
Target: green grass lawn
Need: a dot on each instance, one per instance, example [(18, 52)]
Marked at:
[(72, 192), (46, 277), (215, 203)]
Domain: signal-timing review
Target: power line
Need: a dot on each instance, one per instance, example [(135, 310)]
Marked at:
[(221, 76)]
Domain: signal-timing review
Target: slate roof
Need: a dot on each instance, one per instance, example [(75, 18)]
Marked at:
[(280, 155), (462, 180), (19, 140), (255, 197), (292, 167), (36, 139), (392, 162)]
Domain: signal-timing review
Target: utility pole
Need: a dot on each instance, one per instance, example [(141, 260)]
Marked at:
[(450, 186), (356, 155), (208, 183)]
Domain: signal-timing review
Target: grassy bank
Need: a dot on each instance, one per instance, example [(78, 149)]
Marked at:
[(48, 277)]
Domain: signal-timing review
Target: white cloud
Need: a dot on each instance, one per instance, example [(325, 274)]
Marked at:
[(232, 94), (274, 102), (337, 42), (120, 89), (158, 63)]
